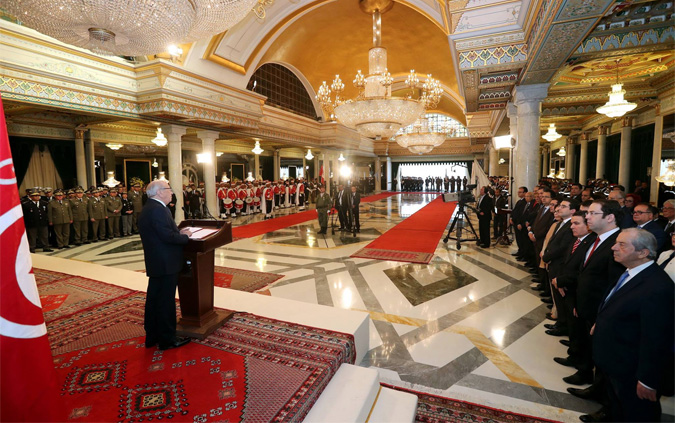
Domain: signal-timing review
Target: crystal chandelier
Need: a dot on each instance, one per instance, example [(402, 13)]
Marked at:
[(375, 113), (154, 163), (111, 181), (341, 158), (616, 106), (551, 135), (668, 178), (131, 27), (114, 146), (160, 140), (420, 138), (257, 149), (562, 152), (309, 155)]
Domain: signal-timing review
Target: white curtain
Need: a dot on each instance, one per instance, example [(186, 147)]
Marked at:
[(41, 171), (479, 177)]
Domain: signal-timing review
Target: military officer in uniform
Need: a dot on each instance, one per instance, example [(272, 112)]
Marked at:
[(136, 197), (97, 215), (323, 203), (60, 217), (36, 220), (78, 206), (114, 209)]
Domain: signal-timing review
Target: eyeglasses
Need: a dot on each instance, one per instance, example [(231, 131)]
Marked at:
[(593, 213), (642, 212)]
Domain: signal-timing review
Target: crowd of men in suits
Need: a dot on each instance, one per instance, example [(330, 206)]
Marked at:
[(606, 269), (430, 183), (62, 218), (346, 203)]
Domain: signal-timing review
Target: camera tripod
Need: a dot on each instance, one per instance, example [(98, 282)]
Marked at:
[(465, 218)]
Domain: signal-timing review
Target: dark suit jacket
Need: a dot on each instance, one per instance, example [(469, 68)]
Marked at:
[(354, 200), (518, 209), (531, 212), (568, 276), (633, 335), (558, 249), (162, 241), (599, 273), (627, 219), (486, 205), (656, 229), (540, 227)]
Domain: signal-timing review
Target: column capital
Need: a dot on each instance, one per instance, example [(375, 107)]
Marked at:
[(80, 130), (533, 92), (205, 135), (657, 108), (173, 130), (511, 110), (603, 130), (626, 121)]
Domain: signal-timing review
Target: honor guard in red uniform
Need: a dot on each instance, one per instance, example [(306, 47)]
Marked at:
[(268, 200), (300, 195), (277, 194)]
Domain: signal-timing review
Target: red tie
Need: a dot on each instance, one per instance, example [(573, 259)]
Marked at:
[(576, 244), (595, 244)]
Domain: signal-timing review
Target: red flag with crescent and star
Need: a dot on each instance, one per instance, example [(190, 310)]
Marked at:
[(28, 386)]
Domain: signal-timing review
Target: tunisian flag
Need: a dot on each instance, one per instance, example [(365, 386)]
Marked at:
[(28, 387)]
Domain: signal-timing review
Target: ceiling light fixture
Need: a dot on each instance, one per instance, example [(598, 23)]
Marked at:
[(341, 158), (257, 149), (114, 146), (309, 155), (562, 152), (616, 106), (160, 140), (421, 137), (154, 163), (132, 27), (551, 135), (374, 113), (668, 178)]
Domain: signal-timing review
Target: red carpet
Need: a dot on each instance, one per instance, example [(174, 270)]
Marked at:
[(260, 228), (435, 409), (243, 280), (251, 369), (415, 239)]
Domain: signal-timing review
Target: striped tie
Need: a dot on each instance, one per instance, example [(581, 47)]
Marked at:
[(595, 245), (576, 244)]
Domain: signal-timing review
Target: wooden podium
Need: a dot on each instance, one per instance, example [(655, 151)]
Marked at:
[(195, 282)]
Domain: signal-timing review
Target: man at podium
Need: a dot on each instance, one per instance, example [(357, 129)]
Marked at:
[(163, 249)]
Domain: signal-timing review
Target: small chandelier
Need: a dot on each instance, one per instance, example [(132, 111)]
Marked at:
[(162, 176), (224, 178), (160, 140), (257, 149), (114, 146), (154, 163), (616, 106), (562, 152), (309, 155), (419, 138), (111, 181), (250, 177), (219, 153), (341, 158), (551, 135), (668, 178), (132, 28), (375, 113), (502, 161)]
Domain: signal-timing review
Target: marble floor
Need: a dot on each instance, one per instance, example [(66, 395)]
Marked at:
[(466, 325)]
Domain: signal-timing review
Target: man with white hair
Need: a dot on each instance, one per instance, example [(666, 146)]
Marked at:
[(163, 249), (633, 332)]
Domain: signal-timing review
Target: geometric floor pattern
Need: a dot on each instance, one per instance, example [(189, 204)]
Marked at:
[(465, 326)]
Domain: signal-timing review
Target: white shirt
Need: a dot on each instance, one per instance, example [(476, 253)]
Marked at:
[(159, 201), (670, 267)]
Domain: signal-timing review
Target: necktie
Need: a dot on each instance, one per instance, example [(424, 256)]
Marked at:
[(618, 285), (668, 226), (595, 245), (557, 227), (665, 263), (576, 244)]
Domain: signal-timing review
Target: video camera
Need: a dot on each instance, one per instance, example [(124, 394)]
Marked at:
[(462, 197)]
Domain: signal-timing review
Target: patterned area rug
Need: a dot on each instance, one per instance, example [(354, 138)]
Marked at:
[(437, 409), (251, 369), (243, 280)]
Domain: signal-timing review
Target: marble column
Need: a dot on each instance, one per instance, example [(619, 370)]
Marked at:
[(570, 158), (209, 147), (494, 162), (326, 172), (528, 100), (335, 165), (583, 158), (256, 166), (80, 158), (277, 164), (317, 168), (377, 173), (304, 167), (390, 186), (602, 152), (91, 162), (173, 134), (624, 152), (656, 154), (512, 114)]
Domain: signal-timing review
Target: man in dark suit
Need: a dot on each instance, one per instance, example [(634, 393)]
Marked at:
[(354, 201), (575, 191), (529, 214), (620, 197), (36, 218), (555, 256), (163, 249), (633, 333), (645, 216), (537, 234), (500, 218), (668, 215), (485, 205), (342, 206), (598, 272), (515, 219)]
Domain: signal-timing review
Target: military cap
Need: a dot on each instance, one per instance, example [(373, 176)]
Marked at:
[(79, 190), (47, 189), (114, 189), (59, 192), (34, 192)]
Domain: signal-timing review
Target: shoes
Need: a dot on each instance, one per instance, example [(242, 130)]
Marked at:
[(32, 251), (590, 393), (599, 416), (47, 250), (550, 306), (96, 240), (547, 300), (87, 242), (77, 245), (579, 378), (66, 246), (565, 342), (565, 362), (545, 294), (551, 326), (556, 332), (177, 342), (515, 254), (150, 343), (549, 316)]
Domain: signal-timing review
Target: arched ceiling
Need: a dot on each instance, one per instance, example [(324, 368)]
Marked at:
[(335, 38)]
